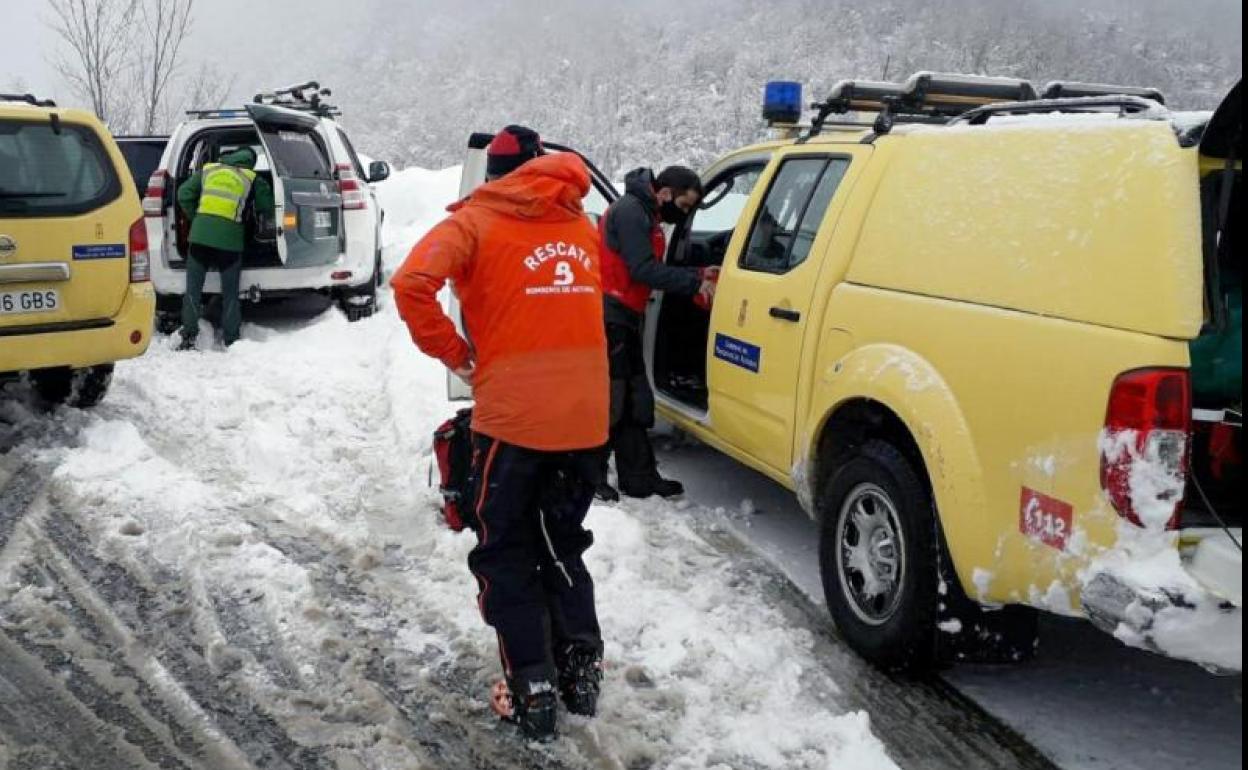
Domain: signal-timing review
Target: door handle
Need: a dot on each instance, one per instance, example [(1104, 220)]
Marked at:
[(784, 314)]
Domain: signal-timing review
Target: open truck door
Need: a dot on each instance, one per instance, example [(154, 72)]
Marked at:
[(601, 194), (307, 201)]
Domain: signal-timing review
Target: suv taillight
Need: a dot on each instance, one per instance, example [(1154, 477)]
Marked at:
[(154, 198), (140, 261), (1144, 449), (351, 188)]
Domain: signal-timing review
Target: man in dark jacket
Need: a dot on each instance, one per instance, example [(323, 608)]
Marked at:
[(214, 199), (632, 246)]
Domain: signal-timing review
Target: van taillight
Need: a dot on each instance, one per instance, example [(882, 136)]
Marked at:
[(140, 260), (1144, 449), (351, 188), (154, 199)]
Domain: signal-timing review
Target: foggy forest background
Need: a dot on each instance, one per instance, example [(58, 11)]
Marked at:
[(652, 81)]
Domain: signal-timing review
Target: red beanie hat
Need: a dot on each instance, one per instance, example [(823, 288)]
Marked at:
[(510, 149)]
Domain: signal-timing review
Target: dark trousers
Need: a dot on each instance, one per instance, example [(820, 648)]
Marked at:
[(230, 263), (632, 408), (534, 588)]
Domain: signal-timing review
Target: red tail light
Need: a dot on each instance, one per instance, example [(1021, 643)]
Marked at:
[(154, 199), (351, 188), (140, 261), (1144, 449)]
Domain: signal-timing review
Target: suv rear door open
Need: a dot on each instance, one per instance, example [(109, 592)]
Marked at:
[(308, 205), (601, 194)]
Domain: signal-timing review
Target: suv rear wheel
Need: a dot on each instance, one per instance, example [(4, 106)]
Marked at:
[(361, 302), (80, 388), (878, 556)]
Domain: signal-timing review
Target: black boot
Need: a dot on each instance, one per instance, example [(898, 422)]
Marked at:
[(531, 706), (580, 679), (653, 486), (606, 493)]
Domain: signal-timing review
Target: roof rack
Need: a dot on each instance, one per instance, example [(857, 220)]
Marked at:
[(28, 99), (925, 97), (1059, 89), (230, 112), (1122, 104), (305, 97)]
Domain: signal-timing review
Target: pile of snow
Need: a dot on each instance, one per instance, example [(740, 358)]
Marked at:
[(289, 476), (414, 200)]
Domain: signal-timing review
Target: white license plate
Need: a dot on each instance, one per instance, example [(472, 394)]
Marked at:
[(322, 221), (42, 301)]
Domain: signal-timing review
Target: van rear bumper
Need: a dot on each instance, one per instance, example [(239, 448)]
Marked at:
[(1149, 617), (84, 343)]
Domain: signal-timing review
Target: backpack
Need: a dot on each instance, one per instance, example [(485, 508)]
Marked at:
[(452, 450)]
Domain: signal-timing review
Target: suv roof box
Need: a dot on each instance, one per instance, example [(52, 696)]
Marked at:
[(864, 95), (954, 94), (1066, 89)]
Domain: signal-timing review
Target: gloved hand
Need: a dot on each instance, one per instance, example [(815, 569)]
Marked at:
[(705, 297)]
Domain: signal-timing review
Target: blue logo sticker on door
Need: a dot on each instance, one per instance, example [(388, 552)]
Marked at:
[(738, 353), (99, 251)]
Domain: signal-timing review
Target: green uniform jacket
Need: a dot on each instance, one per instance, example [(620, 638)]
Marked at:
[(214, 231)]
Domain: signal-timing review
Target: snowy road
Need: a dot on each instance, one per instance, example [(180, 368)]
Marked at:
[(235, 562), (1087, 701)]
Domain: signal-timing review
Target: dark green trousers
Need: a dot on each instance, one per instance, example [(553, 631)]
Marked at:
[(198, 263)]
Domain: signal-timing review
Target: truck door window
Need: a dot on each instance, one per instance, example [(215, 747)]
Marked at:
[(789, 218)]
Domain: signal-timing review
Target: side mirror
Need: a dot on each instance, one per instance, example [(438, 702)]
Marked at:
[(378, 170)]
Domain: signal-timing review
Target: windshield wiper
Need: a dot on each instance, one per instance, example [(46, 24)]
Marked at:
[(7, 194)]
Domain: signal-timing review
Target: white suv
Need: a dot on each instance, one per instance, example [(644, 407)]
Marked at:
[(325, 232)]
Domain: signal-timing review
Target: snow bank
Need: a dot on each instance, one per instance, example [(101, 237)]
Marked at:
[(414, 200)]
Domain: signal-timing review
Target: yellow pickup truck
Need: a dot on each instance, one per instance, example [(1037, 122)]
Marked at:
[(75, 291), (960, 331)]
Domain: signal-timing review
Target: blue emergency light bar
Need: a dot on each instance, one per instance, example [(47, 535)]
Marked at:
[(782, 101)]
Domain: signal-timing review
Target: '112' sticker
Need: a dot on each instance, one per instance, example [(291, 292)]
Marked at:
[(1045, 518)]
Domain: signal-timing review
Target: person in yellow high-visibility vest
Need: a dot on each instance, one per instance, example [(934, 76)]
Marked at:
[(214, 199)]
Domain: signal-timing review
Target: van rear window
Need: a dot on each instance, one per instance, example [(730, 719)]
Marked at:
[(297, 154), (46, 173)]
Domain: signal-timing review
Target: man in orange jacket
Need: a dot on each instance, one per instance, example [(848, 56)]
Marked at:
[(523, 258)]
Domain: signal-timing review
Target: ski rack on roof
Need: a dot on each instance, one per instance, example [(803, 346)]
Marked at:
[(933, 98), (28, 99), (305, 97), (925, 97)]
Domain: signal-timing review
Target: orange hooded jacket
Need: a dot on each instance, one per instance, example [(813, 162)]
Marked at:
[(523, 258)]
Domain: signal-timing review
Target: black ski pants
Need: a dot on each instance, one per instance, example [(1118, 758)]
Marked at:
[(632, 409), (534, 589)]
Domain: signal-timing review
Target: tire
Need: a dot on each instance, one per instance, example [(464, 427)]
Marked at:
[(358, 310), (79, 388), (168, 313), (878, 521)]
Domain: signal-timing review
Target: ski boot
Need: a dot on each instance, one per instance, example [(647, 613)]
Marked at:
[(534, 712), (580, 678)]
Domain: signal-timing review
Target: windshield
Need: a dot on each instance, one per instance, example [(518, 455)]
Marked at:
[(44, 172)]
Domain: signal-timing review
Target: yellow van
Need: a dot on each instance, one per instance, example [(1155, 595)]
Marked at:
[(75, 294), (960, 333)]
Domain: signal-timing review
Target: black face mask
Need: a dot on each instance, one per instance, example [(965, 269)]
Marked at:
[(672, 214)]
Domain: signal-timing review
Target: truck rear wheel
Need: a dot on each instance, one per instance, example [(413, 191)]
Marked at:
[(879, 559), (80, 388)]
